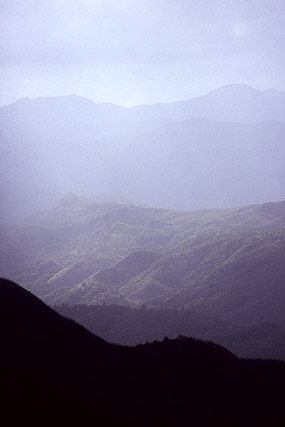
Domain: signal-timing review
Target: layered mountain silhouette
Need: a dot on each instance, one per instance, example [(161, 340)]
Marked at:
[(220, 150), (230, 103), (186, 223), (53, 369), (131, 326), (226, 264)]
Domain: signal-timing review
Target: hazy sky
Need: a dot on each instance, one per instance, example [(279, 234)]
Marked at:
[(139, 51)]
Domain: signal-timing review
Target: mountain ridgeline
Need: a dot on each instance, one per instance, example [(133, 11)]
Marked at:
[(161, 250), (225, 264), (131, 326), (222, 149), (53, 369)]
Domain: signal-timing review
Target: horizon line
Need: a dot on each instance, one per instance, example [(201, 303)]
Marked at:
[(144, 104)]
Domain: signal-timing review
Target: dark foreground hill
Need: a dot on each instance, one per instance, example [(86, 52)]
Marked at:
[(54, 371)]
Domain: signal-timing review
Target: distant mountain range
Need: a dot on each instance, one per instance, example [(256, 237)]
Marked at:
[(222, 149), (230, 103), (180, 230), (53, 369)]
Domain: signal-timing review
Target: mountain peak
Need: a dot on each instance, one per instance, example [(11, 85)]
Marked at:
[(70, 201), (236, 88), (70, 196)]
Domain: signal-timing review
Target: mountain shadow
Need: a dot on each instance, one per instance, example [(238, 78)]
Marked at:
[(130, 326), (53, 370)]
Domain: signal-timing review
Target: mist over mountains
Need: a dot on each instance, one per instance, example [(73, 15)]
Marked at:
[(143, 241), (220, 150), (142, 225), (202, 265), (158, 222)]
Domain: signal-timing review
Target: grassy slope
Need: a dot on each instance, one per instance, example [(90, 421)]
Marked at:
[(227, 262)]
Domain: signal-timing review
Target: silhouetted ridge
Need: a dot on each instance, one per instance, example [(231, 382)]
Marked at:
[(26, 318), (46, 360), (131, 326), (184, 346), (52, 370)]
